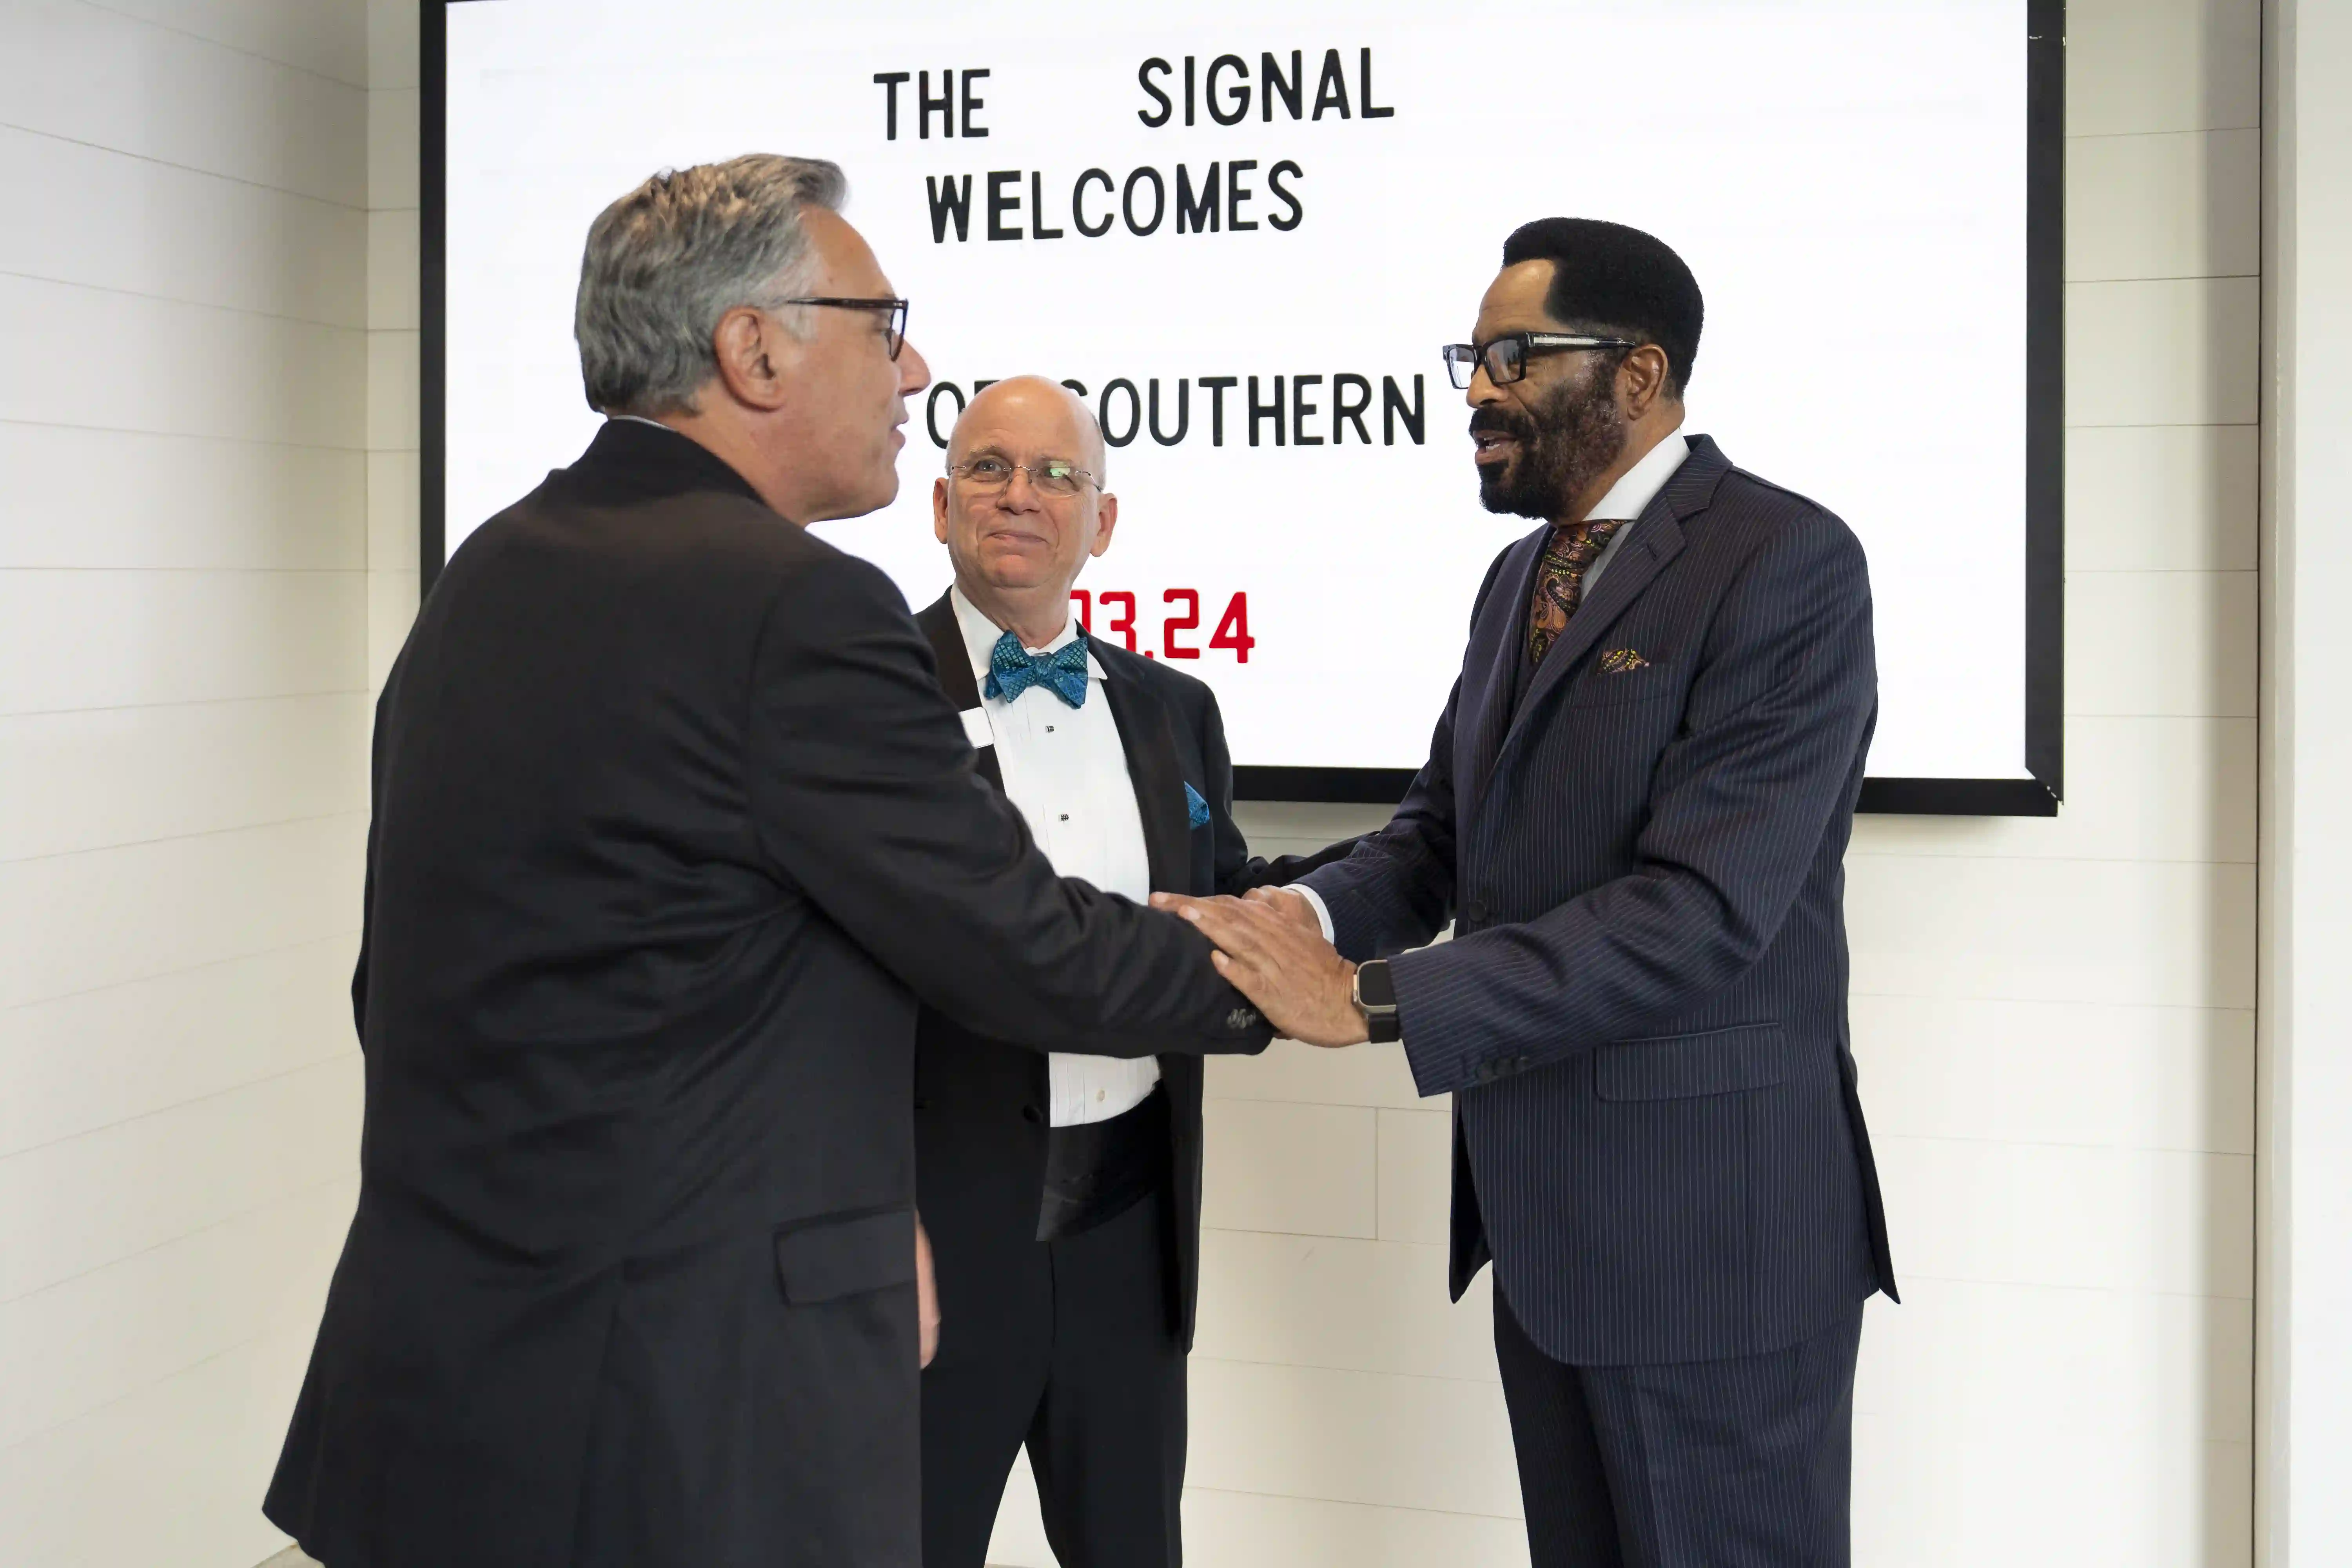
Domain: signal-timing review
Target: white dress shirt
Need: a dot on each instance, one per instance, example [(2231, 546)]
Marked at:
[(1633, 493), (1065, 771)]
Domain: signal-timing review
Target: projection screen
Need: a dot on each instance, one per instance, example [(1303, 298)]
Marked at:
[(1241, 231)]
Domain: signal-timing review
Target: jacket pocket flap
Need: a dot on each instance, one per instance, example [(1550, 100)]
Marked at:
[(844, 1255), (1680, 1066)]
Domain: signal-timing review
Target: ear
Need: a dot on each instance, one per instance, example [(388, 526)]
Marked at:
[(756, 358), (940, 510), (1105, 521), (1642, 380)]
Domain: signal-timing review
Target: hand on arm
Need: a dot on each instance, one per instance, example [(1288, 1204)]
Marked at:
[(1272, 949)]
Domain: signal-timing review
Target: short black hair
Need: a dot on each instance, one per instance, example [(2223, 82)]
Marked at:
[(1607, 274)]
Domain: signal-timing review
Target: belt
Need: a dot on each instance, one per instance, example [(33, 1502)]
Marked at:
[(1099, 1170)]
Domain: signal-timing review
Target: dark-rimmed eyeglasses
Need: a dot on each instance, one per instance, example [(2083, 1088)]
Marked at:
[(896, 328), (1506, 357), (1052, 477)]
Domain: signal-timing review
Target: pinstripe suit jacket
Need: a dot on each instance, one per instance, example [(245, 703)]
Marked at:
[(1642, 1019)]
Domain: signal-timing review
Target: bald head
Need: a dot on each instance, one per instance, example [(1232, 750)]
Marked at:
[(1016, 547), (1037, 407)]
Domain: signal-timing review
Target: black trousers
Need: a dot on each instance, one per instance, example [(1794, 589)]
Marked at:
[(1742, 1463), (1068, 1349)]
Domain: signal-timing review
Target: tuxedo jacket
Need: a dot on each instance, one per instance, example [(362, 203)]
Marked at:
[(673, 833), (980, 1116), (1642, 1019)]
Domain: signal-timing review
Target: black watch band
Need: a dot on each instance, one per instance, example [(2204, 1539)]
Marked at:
[(1375, 998)]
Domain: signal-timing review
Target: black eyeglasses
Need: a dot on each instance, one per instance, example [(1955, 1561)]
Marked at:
[(894, 329), (1505, 358)]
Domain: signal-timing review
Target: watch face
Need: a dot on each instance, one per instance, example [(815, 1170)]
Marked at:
[(1372, 985)]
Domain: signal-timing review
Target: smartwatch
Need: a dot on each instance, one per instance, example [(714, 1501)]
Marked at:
[(1375, 998)]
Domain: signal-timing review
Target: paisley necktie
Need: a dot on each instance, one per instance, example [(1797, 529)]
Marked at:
[(1567, 555)]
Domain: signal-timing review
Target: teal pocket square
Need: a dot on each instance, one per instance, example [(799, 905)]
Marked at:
[(1196, 810)]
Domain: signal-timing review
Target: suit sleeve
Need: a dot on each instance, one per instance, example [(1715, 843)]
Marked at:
[(864, 796), (1395, 889), (1778, 716)]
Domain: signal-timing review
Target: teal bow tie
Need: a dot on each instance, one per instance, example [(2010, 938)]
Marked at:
[(1014, 669)]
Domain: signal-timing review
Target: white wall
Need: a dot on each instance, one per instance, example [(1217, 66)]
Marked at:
[(2305, 1279), (2054, 1018), (184, 397)]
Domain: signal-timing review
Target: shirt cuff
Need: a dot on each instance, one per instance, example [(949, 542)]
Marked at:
[(1322, 912)]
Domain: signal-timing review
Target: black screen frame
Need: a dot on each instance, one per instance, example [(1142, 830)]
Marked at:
[(2045, 450)]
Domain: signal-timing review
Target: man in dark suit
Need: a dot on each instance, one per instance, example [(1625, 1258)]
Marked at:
[(672, 832), (1634, 811), (1062, 1192)]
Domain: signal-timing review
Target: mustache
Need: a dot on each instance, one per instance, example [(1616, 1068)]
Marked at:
[(1503, 422)]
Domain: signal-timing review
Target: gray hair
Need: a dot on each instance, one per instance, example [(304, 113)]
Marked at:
[(667, 260)]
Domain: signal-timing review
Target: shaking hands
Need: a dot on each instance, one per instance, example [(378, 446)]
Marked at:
[(1271, 947)]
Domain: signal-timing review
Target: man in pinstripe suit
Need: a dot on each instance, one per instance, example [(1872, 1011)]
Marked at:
[(1634, 811)]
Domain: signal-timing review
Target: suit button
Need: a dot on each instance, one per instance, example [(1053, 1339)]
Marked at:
[(1031, 1115), (1475, 912)]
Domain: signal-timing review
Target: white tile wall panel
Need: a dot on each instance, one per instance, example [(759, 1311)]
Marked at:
[(2053, 930), (2174, 1369), (90, 74), (2107, 1075), (87, 780), (395, 378), (392, 609), (79, 1063), (1416, 1175), (2162, 498), (71, 923), (207, 371), (2163, 352), (394, 494), (393, 303), (2138, 65), (2180, 206), (1249, 1530), (1365, 1306), (1428, 1443), (393, 59), (145, 228), (1305, 1170), (331, 40), (117, 500), (172, 1475), (392, 147), (2162, 642), (2138, 788), (119, 639), (108, 1333), (71, 1206), (2147, 1221), (1360, 1075)]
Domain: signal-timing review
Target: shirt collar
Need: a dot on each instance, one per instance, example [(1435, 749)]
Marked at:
[(981, 635), (1630, 495)]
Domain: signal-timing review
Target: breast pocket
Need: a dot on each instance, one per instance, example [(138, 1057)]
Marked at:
[(1688, 1067), (1602, 684), (833, 1256)]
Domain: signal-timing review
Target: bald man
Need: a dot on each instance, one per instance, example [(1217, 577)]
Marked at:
[(1062, 1192)]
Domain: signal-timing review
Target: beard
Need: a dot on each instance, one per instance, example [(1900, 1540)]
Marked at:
[(1566, 443)]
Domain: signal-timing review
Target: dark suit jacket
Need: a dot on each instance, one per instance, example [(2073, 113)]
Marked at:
[(1642, 1017), (673, 831), (980, 1119)]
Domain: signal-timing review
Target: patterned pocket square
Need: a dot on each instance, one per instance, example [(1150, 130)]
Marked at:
[(1622, 661), (1196, 810)]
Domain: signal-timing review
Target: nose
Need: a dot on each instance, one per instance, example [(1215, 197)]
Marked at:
[(914, 369), (1019, 494)]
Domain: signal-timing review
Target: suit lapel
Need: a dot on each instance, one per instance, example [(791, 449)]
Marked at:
[(1495, 649), (1158, 778), (1656, 539), (937, 623)]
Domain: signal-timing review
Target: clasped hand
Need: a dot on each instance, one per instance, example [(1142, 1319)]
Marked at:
[(1271, 947)]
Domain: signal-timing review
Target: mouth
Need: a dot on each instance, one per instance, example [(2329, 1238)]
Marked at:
[(1492, 447)]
